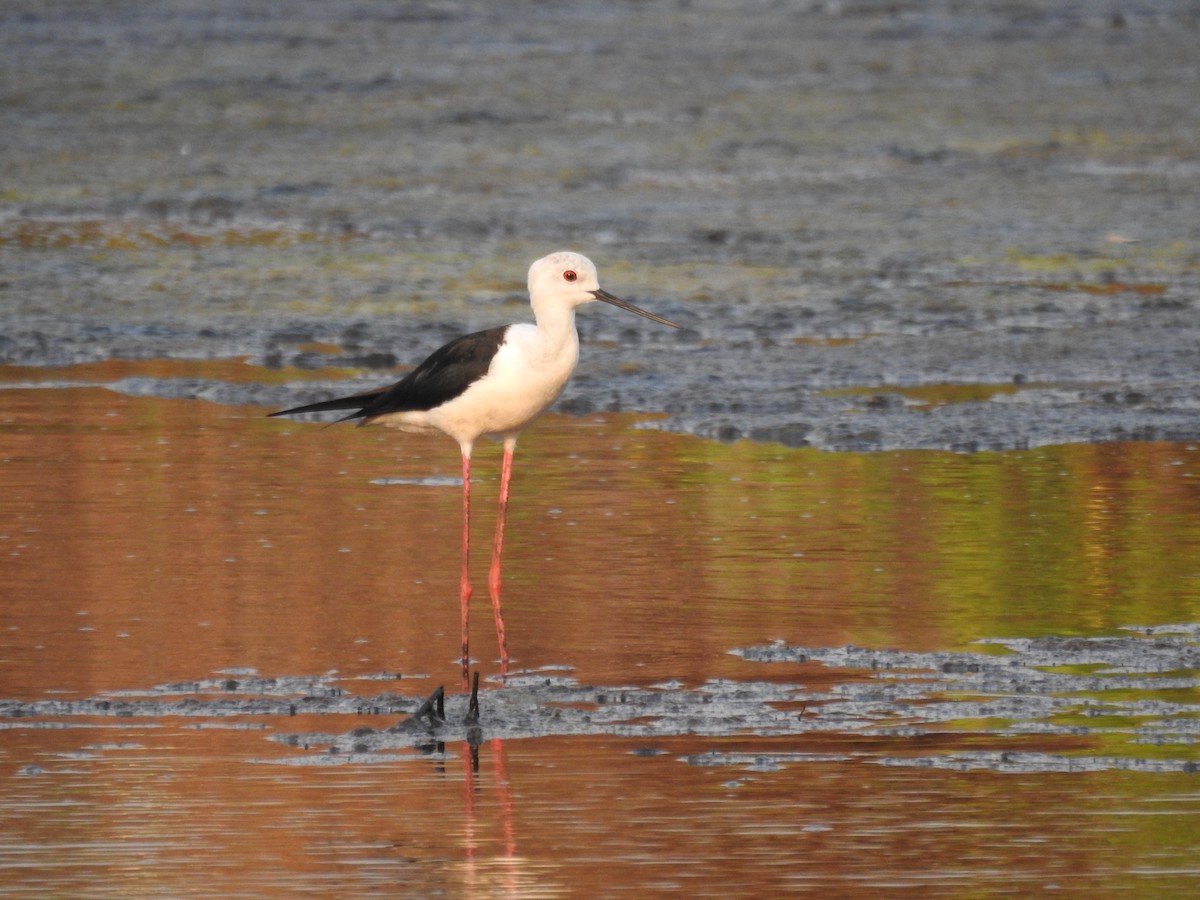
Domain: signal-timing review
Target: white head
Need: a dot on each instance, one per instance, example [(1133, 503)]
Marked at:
[(566, 280)]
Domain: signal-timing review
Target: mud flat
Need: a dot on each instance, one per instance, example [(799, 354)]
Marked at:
[(881, 225), (1043, 704)]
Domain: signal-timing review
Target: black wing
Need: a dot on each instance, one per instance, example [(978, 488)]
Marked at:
[(447, 372)]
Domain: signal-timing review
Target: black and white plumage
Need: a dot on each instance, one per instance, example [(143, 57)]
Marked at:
[(491, 383), (448, 372)]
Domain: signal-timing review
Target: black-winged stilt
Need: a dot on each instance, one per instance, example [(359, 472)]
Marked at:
[(491, 383)]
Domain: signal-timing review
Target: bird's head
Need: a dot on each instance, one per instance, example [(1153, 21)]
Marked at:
[(569, 279), (564, 277)]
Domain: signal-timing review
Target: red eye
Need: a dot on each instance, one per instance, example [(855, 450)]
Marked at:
[(569, 275)]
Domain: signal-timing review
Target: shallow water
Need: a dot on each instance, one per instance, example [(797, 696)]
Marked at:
[(252, 536), (154, 542), (182, 813)]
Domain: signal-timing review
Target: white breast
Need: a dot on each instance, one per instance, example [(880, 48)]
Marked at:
[(526, 375)]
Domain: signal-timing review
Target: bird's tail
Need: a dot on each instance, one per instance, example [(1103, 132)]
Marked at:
[(356, 402)]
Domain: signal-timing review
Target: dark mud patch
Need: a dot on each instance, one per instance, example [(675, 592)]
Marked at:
[(1037, 705), (825, 196)]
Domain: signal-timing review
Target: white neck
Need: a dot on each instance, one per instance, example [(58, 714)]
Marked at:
[(556, 327)]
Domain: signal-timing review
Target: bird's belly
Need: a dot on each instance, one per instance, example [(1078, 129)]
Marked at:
[(491, 408)]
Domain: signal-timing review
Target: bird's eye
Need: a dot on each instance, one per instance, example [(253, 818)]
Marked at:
[(569, 275)]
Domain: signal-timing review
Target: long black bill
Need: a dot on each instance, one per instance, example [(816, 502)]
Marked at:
[(622, 304)]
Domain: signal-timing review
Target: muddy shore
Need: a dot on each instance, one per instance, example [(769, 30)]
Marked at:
[(880, 225), (1032, 692)]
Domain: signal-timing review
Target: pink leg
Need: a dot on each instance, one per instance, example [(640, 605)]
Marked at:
[(464, 584), (497, 549)]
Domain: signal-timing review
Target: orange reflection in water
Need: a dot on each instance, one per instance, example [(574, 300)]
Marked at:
[(173, 812), (151, 540), (147, 541)]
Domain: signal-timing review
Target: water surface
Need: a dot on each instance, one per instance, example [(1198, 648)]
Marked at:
[(150, 542)]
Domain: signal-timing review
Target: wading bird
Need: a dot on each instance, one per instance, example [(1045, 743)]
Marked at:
[(490, 383)]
